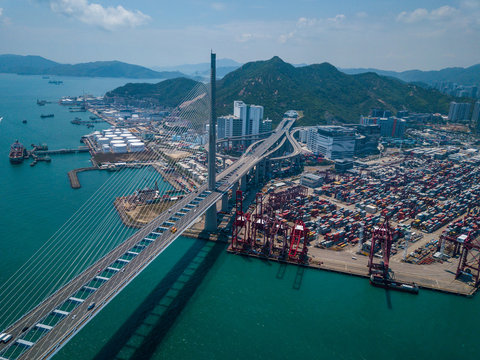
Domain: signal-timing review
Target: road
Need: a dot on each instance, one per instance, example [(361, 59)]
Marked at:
[(184, 214)]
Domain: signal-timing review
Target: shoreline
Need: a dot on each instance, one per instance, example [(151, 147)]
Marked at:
[(359, 270)]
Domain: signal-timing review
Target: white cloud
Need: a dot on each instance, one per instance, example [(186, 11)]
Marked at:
[(244, 37), (442, 13), (284, 37), (109, 18), (337, 18), (218, 6), (361, 14), (1, 11)]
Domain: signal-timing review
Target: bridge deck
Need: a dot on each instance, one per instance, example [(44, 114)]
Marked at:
[(73, 320)]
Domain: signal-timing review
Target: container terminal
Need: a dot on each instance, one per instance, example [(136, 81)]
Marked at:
[(412, 223)]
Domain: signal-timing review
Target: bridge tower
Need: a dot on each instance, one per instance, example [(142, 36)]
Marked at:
[(211, 214)]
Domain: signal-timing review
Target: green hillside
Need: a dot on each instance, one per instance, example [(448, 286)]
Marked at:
[(320, 91), (460, 75), (37, 65), (169, 93)]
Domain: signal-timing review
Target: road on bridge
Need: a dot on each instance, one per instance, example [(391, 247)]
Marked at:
[(124, 263)]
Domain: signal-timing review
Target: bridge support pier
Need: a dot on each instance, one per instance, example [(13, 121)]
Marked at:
[(225, 202), (243, 183), (211, 218), (267, 168)]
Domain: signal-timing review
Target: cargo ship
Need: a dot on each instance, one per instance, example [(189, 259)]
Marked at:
[(47, 116), (17, 153), (380, 281)]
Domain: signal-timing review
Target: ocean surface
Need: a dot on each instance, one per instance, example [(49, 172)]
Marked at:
[(195, 301)]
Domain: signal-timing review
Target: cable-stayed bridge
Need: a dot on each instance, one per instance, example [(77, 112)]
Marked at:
[(43, 330)]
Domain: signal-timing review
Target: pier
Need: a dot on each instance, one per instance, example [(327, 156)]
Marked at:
[(73, 177), (80, 149)]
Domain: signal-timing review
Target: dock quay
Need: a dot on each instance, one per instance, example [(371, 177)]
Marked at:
[(72, 176), (341, 263), (101, 116)]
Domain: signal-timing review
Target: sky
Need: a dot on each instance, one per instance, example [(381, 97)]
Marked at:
[(385, 34)]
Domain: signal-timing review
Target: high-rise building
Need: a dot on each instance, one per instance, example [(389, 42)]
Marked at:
[(228, 126), (389, 127), (476, 117), (333, 142), (366, 141), (458, 111), (392, 127), (266, 126), (251, 116)]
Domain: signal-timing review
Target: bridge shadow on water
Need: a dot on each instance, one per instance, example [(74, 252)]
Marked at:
[(143, 332)]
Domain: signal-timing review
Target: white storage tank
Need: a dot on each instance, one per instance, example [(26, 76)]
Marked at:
[(119, 148), (117, 138), (110, 136), (103, 141), (106, 148), (137, 146), (117, 142), (132, 140)]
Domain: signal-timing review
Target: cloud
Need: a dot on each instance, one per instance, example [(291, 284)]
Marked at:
[(218, 6), (1, 11), (442, 13), (108, 18), (337, 18), (361, 14)]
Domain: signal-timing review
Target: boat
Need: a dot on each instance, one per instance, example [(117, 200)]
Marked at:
[(47, 116), (41, 102), (55, 82), (24, 121), (380, 281), (17, 153)]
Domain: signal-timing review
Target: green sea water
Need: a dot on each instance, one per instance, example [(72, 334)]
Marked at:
[(195, 301)]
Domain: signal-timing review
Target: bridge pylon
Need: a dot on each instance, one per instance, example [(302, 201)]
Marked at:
[(211, 214)]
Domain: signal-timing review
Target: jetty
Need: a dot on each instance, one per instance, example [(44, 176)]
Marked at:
[(80, 149), (73, 177)]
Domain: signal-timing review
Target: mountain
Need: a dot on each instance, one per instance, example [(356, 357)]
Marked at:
[(321, 91), (201, 68), (459, 75), (37, 65), (167, 93), (111, 69), (29, 64)]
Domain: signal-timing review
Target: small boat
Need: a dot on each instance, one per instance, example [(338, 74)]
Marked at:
[(380, 281), (41, 102), (24, 121), (47, 116)]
